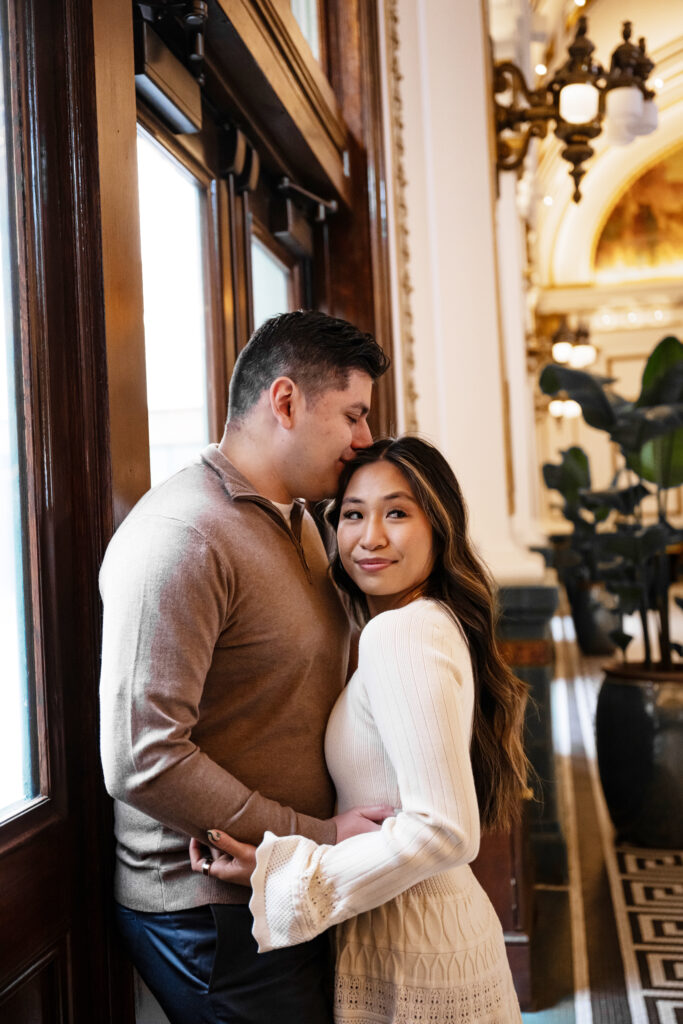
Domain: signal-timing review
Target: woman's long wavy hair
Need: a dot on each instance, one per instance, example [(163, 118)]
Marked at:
[(462, 584)]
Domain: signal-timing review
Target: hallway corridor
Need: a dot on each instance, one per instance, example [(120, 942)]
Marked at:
[(609, 946)]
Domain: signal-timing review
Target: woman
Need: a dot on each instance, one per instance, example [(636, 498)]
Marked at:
[(431, 724)]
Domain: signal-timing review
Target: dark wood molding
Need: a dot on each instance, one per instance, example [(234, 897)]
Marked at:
[(121, 257), (289, 110), (374, 138), (358, 273), (503, 868), (284, 30), (217, 375), (223, 234)]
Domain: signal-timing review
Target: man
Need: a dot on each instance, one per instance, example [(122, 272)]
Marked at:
[(224, 649)]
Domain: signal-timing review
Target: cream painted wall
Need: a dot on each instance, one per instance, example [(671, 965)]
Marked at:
[(460, 353)]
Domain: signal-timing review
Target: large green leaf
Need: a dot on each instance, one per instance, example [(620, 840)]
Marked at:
[(662, 382), (636, 426), (660, 461), (569, 477), (636, 546), (622, 499), (598, 405)]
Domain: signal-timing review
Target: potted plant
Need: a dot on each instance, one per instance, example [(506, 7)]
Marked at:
[(572, 555), (639, 721)]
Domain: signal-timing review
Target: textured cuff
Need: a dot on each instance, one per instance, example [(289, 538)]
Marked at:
[(279, 915)]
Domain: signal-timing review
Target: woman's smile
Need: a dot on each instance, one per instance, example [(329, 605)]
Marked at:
[(374, 564)]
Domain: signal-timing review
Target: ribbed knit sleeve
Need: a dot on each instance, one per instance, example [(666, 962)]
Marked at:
[(416, 668)]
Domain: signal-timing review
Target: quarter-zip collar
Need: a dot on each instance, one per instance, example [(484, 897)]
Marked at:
[(239, 488)]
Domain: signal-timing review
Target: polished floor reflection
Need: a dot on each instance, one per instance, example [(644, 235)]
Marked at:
[(609, 946)]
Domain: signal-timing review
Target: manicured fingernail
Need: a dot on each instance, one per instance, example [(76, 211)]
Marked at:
[(213, 835)]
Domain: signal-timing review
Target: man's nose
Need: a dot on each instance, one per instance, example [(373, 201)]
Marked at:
[(362, 436)]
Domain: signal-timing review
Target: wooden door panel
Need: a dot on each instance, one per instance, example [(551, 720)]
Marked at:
[(41, 994)]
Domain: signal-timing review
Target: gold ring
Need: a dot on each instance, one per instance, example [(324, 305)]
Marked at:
[(206, 866)]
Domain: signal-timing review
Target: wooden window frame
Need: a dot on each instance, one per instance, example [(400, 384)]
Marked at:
[(200, 162), (47, 806)]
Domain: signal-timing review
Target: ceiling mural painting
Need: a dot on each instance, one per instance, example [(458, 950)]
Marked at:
[(643, 236)]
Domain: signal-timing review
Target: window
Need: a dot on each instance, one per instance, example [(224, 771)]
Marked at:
[(308, 18), (271, 283), (171, 228), (18, 762)]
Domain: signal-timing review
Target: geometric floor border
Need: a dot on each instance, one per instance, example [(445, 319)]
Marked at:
[(647, 896), (664, 1010)]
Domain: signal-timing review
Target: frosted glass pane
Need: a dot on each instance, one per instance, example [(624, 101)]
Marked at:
[(270, 283), (174, 304), (18, 769), (306, 13)]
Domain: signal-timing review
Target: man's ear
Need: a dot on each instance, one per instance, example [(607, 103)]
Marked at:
[(284, 398)]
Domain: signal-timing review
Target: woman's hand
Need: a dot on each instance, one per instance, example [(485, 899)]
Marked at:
[(230, 861)]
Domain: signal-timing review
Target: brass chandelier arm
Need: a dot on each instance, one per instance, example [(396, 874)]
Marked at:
[(512, 152), (508, 77), (527, 115)]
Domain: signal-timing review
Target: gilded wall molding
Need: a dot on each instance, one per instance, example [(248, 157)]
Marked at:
[(400, 212)]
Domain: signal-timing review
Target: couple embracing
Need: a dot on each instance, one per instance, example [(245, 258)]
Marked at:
[(226, 718)]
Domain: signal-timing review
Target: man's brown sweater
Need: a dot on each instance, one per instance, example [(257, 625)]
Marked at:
[(224, 649)]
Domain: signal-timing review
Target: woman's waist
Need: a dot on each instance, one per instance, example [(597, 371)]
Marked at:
[(457, 881)]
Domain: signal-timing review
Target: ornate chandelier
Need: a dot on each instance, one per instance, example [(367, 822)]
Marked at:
[(581, 98)]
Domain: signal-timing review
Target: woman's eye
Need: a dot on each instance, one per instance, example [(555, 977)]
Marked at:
[(352, 419), (352, 514), (396, 513)]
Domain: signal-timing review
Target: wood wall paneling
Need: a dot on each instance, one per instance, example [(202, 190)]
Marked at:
[(216, 354), (503, 869), (359, 276), (121, 256), (227, 276), (55, 856), (241, 281), (41, 995)]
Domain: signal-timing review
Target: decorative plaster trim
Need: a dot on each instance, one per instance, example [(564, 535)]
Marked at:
[(400, 211)]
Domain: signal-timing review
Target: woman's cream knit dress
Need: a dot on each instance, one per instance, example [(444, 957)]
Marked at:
[(417, 938)]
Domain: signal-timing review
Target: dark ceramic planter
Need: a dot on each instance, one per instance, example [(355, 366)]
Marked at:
[(639, 732), (592, 620)]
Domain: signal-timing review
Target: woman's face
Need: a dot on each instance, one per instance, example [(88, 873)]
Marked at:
[(384, 537)]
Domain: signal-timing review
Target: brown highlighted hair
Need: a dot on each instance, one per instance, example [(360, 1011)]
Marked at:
[(462, 584)]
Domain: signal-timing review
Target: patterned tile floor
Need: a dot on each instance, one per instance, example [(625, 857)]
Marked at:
[(609, 947)]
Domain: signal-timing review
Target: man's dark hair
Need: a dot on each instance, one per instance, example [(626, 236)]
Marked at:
[(316, 350)]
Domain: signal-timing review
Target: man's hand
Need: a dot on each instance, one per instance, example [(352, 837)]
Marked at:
[(230, 861), (361, 819)]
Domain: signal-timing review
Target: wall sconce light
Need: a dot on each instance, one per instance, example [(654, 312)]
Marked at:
[(573, 348), (578, 98), (564, 409)]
